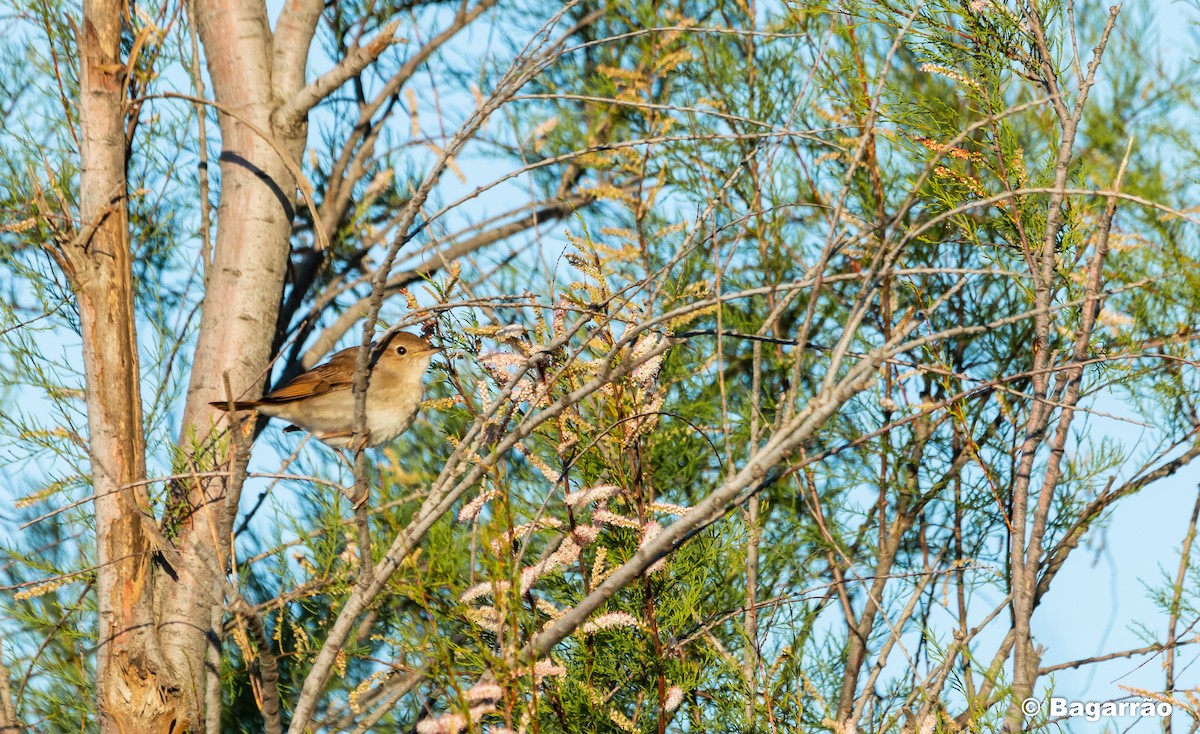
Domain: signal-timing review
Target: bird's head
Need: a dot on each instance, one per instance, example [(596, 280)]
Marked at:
[(406, 355)]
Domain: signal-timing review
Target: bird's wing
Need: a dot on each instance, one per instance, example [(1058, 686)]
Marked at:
[(336, 374)]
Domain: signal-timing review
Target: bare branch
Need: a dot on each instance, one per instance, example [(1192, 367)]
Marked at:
[(294, 31), (350, 65), (328, 338), (1185, 562)]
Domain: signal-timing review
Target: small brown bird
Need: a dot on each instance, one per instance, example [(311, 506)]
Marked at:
[(321, 401)]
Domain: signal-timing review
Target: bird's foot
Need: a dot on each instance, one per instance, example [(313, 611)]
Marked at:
[(363, 500)]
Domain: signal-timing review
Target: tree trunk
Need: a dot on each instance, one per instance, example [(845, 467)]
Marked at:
[(9, 723), (244, 283), (136, 691)]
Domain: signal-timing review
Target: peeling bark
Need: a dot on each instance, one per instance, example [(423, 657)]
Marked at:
[(137, 691), (9, 723)]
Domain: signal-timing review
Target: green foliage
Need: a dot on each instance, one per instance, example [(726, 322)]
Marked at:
[(755, 214)]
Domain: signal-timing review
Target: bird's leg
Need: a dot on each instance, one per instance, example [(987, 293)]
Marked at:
[(349, 493), (361, 445), (363, 441), (364, 499)]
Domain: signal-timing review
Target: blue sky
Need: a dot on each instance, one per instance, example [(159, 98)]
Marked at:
[(1101, 593)]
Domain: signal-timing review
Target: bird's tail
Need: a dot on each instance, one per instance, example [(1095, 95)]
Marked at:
[(237, 405)]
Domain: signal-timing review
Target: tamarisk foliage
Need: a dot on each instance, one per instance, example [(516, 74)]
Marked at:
[(790, 353)]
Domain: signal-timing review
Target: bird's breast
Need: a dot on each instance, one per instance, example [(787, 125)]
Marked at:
[(391, 410)]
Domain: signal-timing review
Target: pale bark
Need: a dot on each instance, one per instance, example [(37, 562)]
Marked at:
[(156, 627), (241, 305)]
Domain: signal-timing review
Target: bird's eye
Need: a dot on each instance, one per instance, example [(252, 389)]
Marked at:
[(401, 351)]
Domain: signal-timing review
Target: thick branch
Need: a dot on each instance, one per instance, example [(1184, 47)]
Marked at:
[(294, 30), (135, 690), (240, 307), (9, 723), (352, 64)]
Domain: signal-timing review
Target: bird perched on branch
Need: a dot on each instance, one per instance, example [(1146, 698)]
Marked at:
[(321, 401)]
